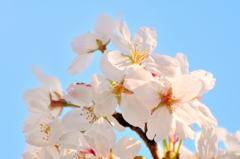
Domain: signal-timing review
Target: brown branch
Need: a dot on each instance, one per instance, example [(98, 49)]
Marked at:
[(151, 144)]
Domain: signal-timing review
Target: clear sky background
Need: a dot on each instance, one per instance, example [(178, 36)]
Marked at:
[(39, 33)]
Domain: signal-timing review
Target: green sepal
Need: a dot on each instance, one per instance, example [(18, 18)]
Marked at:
[(67, 104)]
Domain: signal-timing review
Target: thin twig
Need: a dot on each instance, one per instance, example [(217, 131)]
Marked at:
[(151, 144)]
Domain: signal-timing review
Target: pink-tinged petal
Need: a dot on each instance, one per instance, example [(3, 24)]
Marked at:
[(221, 133), (231, 142), (36, 106), (36, 138), (41, 77), (98, 143), (55, 86), (99, 83), (159, 124), (77, 154), (134, 110), (121, 44), (73, 140), (50, 83), (136, 77), (56, 129), (206, 119), (126, 148), (186, 112), (106, 104), (56, 111), (32, 121), (31, 151), (228, 155), (119, 60), (27, 155), (36, 94), (104, 28), (149, 92), (208, 82), (123, 31), (80, 63), (76, 120), (207, 144), (168, 66), (182, 130), (84, 43), (110, 71), (79, 95), (186, 88), (238, 135), (149, 36), (49, 153), (104, 128), (186, 153), (115, 123), (151, 66), (183, 62)]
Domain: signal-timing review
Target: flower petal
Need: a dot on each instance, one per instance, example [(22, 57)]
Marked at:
[(110, 71), (126, 148), (80, 63), (73, 140), (106, 104), (136, 77), (76, 120), (183, 62), (119, 60), (134, 110), (104, 28), (186, 88), (84, 43), (159, 124), (208, 82)]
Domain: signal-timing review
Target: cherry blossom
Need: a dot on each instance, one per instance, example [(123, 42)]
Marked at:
[(135, 50), (152, 94), (86, 44), (115, 91)]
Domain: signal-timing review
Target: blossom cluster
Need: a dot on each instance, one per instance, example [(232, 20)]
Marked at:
[(153, 94)]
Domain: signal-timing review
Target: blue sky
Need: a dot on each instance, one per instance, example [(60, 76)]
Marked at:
[(39, 33)]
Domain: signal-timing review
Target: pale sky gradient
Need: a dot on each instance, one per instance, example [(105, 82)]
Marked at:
[(39, 33)]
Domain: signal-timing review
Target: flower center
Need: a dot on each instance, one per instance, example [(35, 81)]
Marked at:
[(167, 99), (89, 113), (45, 128), (119, 89), (138, 53)]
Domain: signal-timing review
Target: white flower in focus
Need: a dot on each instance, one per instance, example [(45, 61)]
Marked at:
[(166, 66), (88, 43), (81, 119), (206, 119), (135, 50), (116, 90), (174, 107)]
